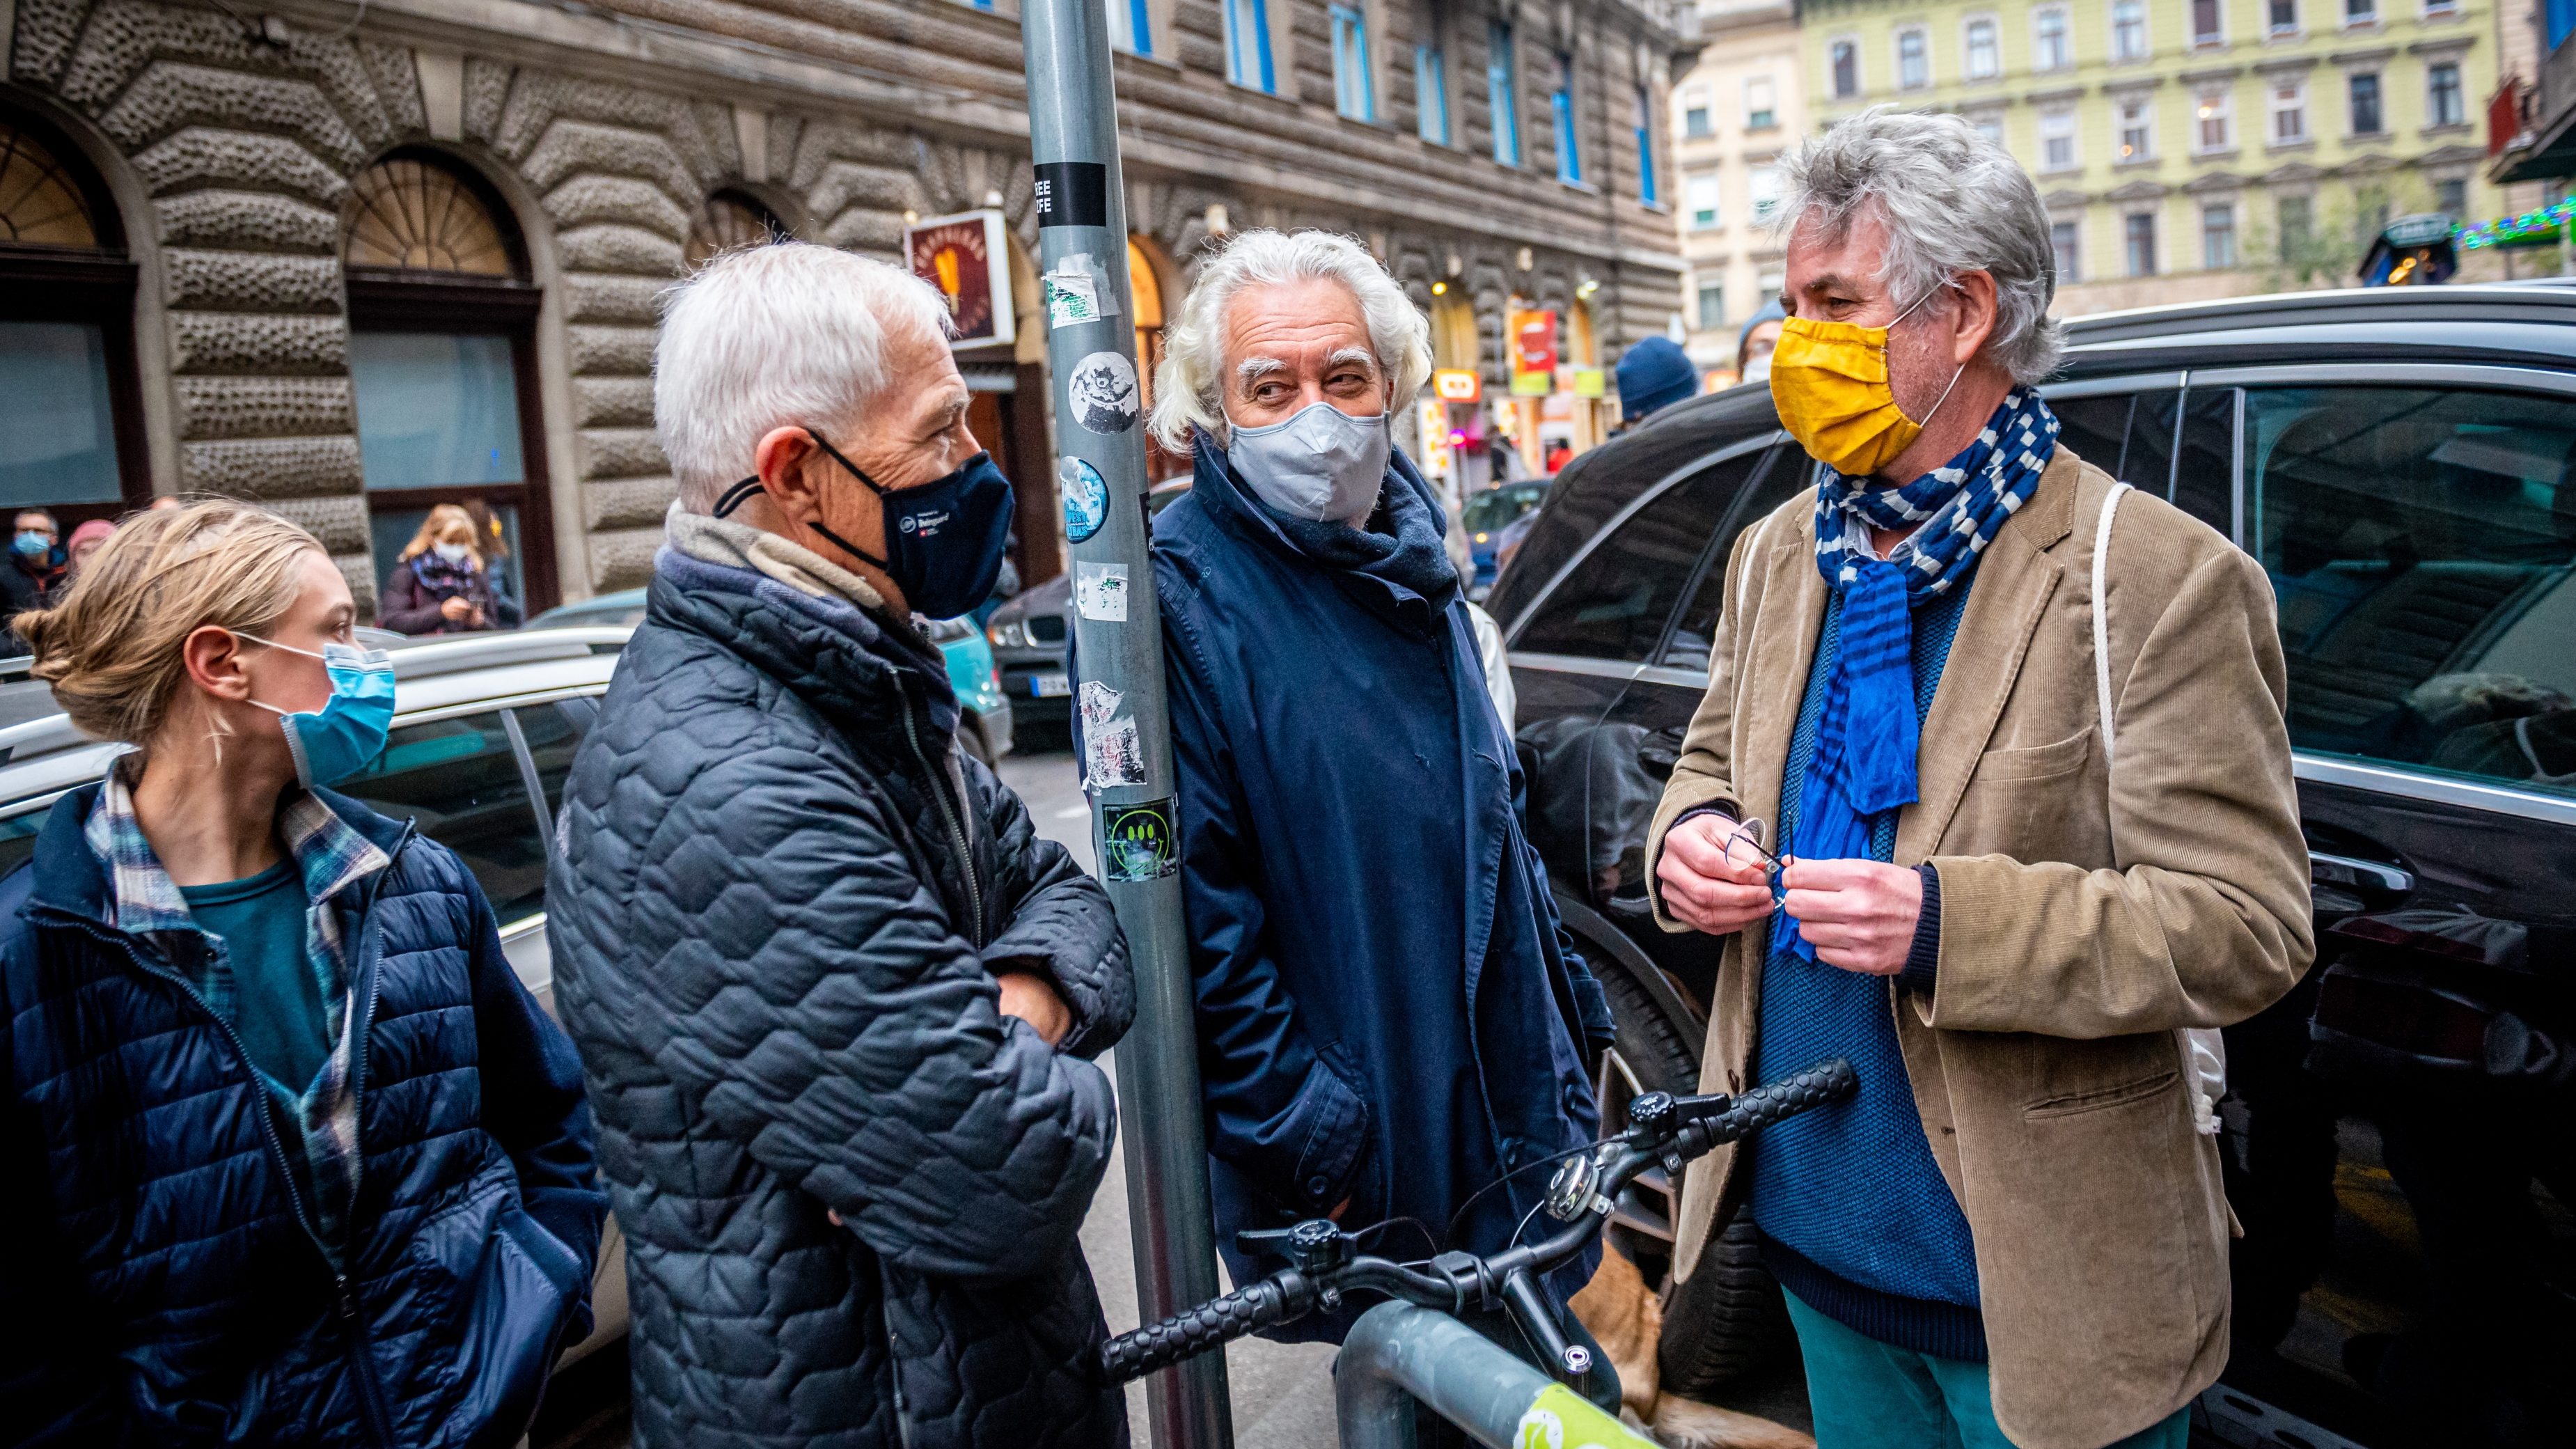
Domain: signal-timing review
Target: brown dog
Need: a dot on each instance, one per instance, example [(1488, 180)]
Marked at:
[(1627, 1319)]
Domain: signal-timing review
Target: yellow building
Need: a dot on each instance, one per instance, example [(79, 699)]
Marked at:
[(2188, 149), (1741, 103)]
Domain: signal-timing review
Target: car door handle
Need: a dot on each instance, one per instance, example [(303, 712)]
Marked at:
[(2353, 871)]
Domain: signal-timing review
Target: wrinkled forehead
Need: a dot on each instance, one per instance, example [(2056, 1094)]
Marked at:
[(1306, 323)]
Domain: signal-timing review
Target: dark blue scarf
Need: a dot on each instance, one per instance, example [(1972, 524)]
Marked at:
[(1866, 734)]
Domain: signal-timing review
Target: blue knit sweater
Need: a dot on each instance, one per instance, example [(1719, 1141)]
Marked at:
[(1855, 1216)]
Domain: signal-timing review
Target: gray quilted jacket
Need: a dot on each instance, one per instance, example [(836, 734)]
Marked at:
[(777, 915)]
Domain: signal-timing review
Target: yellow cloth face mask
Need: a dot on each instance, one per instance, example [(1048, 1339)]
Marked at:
[(1829, 382)]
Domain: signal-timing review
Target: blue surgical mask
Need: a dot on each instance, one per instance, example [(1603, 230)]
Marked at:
[(944, 539), (349, 732), (31, 544), (1320, 464)]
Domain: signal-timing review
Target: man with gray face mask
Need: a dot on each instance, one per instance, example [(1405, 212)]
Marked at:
[(1389, 1014)]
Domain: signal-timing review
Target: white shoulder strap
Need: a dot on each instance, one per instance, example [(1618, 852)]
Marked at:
[(2101, 624)]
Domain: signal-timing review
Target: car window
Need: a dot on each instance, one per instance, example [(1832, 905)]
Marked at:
[(460, 782), (1614, 603), (2420, 543), (553, 732), (2204, 479), (2128, 435), (1785, 474), (18, 834), (1491, 509)]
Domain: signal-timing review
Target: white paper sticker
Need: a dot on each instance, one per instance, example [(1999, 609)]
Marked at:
[(1077, 291), (1097, 702), (1100, 591), (1113, 755), (1102, 393)]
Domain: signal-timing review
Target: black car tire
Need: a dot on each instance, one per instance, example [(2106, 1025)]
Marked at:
[(970, 738), (1726, 1322)]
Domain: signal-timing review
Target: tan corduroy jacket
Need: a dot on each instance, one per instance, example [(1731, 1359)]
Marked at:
[(2088, 913)]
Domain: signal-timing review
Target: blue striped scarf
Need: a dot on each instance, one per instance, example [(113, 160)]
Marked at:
[(331, 857), (1867, 735)]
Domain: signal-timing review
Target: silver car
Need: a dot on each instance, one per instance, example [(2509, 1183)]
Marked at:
[(483, 736)]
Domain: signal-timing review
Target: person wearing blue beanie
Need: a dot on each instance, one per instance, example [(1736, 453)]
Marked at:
[(1655, 373)]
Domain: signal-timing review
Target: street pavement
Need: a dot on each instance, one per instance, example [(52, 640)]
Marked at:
[(1282, 1393)]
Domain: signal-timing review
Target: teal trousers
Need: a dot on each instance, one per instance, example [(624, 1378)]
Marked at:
[(1869, 1395)]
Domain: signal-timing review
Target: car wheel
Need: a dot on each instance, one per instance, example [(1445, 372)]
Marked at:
[(1726, 1322), (970, 738)]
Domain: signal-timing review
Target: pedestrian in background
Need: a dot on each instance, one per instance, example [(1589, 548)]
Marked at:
[(441, 584), (1754, 345), (1390, 1016), (34, 569), (85, 540), (1654, 373), (293, 1156), (2020, 870), (837, 999)]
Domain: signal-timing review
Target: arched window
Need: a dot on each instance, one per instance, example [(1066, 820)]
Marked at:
[(1145, 289), (727, 220), (71, 441), (442, 360)]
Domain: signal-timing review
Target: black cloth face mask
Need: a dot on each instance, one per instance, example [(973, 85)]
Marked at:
[(944, 538)]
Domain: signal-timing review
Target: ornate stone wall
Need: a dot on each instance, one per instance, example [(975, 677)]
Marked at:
[(244, 132)]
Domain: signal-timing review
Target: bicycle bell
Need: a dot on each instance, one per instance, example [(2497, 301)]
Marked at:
[(1576, 1188)]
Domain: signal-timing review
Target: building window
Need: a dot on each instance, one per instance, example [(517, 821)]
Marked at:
[(2216, 122), (1761, 103), (1700, 197), (2066, 244), (2365, 104), (1502, 92), (1712, 306), (2049, 48), (2057, 141), (1765, 193), (2137, 131), (1989, 125), (2128, 30), (1431, 94), (2442, 105), (2296, 216), (442, 362), (725, 221), (1846, 67), (1646, 191), (1560, 104), (1985, 57), (1247, 45), (1913, 59), (1354, 79), (2218, 236), (2141, 231), (70, 407), (2360, 12), (1131, 26), (2285, 17), (2289, 113), (2207, 28), (1766, 290), (2451, 197), (1695, 124)]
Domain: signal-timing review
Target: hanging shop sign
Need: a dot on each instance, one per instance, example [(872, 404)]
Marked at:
[(1457, 384), (1589, 382), (1533, 352), (1439, 453), (968, 259)]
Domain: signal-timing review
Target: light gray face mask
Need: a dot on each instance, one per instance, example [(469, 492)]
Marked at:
[(1321, 463)]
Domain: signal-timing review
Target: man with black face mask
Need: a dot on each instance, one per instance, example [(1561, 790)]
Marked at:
[(1390, 1017), (836, 1000)]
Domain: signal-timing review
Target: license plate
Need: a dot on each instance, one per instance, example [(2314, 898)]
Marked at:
[(1049, 686)]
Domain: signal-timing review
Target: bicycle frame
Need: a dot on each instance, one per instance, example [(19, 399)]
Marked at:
[(1398, 1353)]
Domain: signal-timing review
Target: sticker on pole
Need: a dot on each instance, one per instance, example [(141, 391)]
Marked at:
[(1100, 591), (1086, 497), (1102, 393), (1077, 290), (1113, 754), (1560, 1418), (1142, 842)]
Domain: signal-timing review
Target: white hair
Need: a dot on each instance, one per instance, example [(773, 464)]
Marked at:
[(1189, 386), (1952, 201), (786, 334)]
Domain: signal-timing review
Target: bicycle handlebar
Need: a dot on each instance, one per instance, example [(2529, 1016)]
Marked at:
[(1667, 1129)]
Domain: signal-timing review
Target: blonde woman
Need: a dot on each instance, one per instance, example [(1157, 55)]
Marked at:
[(442, 584), (292, 1157)]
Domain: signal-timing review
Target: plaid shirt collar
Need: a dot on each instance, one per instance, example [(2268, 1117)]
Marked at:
[(332, 857)]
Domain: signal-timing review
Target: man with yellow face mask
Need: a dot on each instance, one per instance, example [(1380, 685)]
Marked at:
[(2024, 747)]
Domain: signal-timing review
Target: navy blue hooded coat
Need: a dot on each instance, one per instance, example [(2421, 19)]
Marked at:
[(1388, 1008), (160, 1286)]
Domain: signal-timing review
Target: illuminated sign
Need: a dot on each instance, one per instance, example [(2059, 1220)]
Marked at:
[(967, 258), (1457, 384)]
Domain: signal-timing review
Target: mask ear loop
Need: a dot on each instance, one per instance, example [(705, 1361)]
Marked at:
[(741, 492), (1926, 420)]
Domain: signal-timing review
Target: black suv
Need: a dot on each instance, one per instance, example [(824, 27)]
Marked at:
[(2401, 1130)]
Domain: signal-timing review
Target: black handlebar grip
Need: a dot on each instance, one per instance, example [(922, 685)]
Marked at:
[(1831, 1080), (1248, 1309)]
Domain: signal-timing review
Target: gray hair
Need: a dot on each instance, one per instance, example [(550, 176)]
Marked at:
[(1952, 201), (1189, 387), (763, 337)]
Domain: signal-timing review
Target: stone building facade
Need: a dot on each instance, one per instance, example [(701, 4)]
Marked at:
[(1734, 111), (352, 260)]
